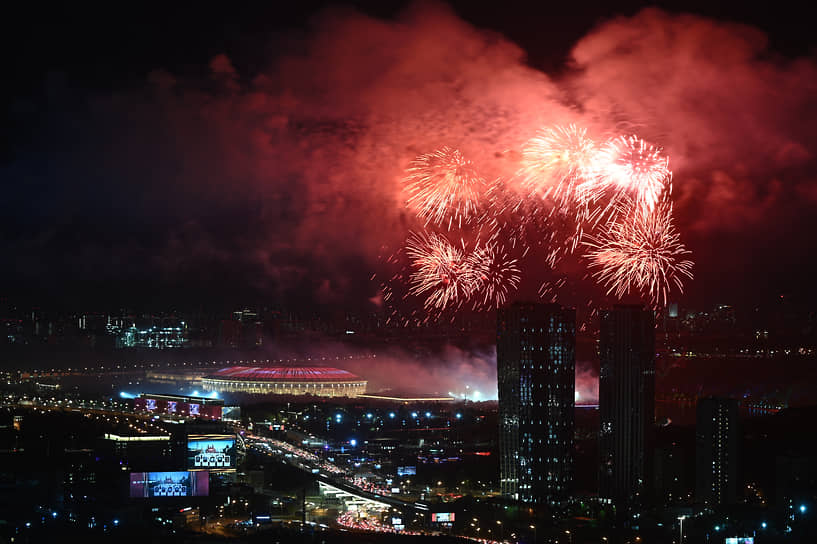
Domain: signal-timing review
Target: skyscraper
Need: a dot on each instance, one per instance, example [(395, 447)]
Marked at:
[(716, 450), (626, 402), (536, 360)]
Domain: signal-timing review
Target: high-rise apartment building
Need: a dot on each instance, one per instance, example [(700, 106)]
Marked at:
[(536, 359), (626, 403), (716, 450)]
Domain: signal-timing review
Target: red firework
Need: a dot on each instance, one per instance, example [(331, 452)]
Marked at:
[(440, 269), (494, 275), (443, 187), (558, 163), (634, 167), (640, 252)]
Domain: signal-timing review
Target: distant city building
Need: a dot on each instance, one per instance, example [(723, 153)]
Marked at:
[(626, 402), (285, 380), (536, 359), (243, 333), (716, 450), (153, 337), (672, 478), (179, 406), (190, 378)]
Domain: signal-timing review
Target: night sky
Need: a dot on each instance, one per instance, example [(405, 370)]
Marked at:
[(171, 155)]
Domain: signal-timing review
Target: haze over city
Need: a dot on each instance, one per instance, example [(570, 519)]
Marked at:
[(429, 241)]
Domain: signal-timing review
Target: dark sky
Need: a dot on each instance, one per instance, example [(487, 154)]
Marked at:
[(175, 154)]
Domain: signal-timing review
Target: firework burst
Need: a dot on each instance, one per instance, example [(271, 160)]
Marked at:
[(558, 163), (638, 169), (640, 252), (562, 192), (443, 187), (440, 271), (494, 275)]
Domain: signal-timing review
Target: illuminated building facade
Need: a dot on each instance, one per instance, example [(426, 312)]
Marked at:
[(153, 337), (318, 381), (626, 402), (179, 406), (536, 359), (716, 450)]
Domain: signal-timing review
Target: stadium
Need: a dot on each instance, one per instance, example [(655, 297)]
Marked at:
[(321, 381)]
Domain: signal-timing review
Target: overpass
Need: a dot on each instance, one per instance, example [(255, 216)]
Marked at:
[(352, 499), (339, 487), (343, 489)]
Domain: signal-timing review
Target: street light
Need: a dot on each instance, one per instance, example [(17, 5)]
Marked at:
[(681, 519), (534, 533)]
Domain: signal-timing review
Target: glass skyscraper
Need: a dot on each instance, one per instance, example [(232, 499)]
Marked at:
[(626, 403), (536, 360)]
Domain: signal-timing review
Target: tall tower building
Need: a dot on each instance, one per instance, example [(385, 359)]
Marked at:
[(626, 403), (536, 360), (716, 450)]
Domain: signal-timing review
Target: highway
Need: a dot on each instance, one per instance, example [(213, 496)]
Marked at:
[(308, 462)]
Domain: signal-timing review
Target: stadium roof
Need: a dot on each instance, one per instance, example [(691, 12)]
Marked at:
[(285, 374)]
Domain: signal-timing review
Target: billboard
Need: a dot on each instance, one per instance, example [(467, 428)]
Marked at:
[(231, 413), (211, 452), (740, 540), (443, 517), (188, 483), (406, 471), (179, 406)]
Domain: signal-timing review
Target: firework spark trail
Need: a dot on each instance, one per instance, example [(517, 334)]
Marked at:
[(612, 199), (558, 163), (444, 187), (440, 269), (495, 275), (640, 253), (634, 167)]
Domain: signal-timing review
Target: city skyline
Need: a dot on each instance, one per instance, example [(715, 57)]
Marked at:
[(380, 272)]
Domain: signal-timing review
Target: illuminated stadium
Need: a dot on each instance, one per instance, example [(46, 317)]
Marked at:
[(322, 381)]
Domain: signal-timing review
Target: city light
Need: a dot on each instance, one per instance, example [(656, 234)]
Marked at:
[(539, 259)]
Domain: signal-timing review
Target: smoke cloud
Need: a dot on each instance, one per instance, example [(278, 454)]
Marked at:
[(287, 180)]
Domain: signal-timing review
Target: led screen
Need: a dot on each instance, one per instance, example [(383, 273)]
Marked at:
[(231, 413), (211, 452), (443, 517), (188, 483), (741, 540), (406, 471)]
